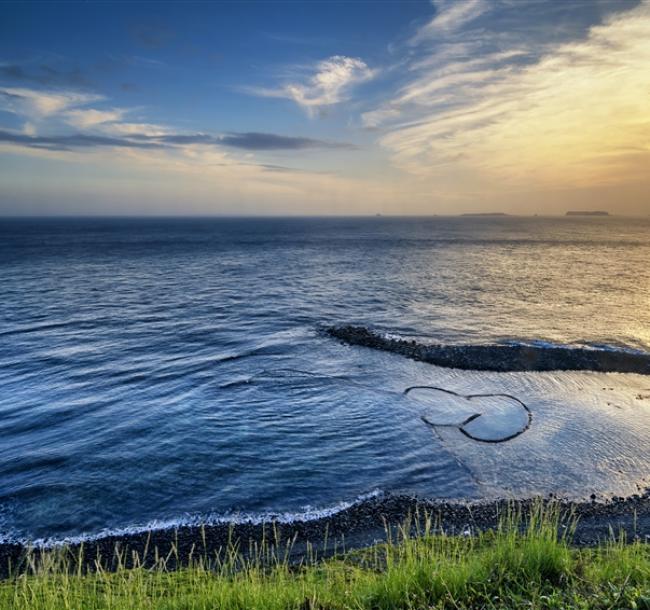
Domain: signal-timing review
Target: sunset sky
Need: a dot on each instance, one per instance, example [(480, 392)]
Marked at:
[(519, 106)]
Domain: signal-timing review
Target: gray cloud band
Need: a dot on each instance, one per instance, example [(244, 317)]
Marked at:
[(245, 141)]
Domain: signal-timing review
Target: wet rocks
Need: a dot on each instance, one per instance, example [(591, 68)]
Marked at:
[(360, 525), (499, 357)]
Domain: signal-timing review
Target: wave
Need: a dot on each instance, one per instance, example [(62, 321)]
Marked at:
[(503, 357), (309, 514), (368, 520), (544, 344)]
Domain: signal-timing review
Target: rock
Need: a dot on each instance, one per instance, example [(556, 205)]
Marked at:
[(499, 357)]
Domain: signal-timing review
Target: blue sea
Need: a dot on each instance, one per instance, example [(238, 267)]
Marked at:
[(162, 371)]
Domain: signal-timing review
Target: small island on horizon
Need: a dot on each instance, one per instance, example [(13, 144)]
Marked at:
[(485, 214), (587, 213)]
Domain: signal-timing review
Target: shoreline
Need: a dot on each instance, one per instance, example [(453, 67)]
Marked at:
[(371, 519), (358, 526)]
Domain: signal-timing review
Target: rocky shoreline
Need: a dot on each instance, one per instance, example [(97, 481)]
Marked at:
[(497, 357), (372, 520), (355, 527)]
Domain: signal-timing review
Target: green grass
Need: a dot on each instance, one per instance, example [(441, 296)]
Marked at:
[(523, 564)]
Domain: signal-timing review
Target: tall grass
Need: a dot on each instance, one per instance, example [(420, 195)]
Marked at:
[(524, 563)]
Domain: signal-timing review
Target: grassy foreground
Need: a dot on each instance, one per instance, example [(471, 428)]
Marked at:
[(524, 564)]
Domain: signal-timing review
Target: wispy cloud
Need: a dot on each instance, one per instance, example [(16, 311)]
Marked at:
[(130, 129), (86, 118), (329, 83), (106, 127), (72, 141), (250, 141), (450, 15), (574, 117), (40, 104), (271, 141)]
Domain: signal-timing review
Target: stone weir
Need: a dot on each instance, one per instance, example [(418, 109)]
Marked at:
[(497, 357)]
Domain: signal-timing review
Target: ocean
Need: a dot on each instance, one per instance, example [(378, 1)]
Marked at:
[(164, 371)]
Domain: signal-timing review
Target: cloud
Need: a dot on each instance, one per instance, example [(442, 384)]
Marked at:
[(575, 117), (181, 138), (151, 136), (203, 179), (135, 129), (102, 128), (450, 15), (86, 118), (375, 118), (245, 141), (442, 80), (40, 104), (271, 141), (72, 141), (329, 84)]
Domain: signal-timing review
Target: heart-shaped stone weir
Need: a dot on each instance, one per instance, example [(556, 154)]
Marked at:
[(488, 418)]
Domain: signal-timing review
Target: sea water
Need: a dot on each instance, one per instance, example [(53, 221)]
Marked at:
[(160, 371)]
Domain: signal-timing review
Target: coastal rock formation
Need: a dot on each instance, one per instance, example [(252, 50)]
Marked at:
[(501, 358)]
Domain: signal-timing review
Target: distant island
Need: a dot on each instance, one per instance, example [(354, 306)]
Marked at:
[(485, 214), (587, 213)]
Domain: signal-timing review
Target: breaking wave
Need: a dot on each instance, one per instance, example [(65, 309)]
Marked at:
[(197, 520)]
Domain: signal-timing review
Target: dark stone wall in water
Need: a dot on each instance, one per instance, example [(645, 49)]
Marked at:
[(500, 357)]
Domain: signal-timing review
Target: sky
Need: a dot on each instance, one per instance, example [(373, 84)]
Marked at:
[(280, 108)]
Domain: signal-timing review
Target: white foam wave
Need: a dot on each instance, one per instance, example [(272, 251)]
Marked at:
[(196, 520), (538, 343), (597, 347)]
